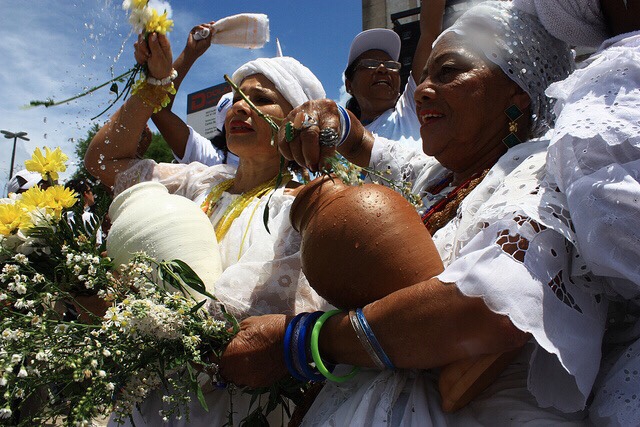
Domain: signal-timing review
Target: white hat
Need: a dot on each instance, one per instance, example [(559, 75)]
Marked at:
[(225, 102), (377, 38), (23, 180), (295, 82)]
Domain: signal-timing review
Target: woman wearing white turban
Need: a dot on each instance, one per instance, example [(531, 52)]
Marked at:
[(508, 278), (594, 161), (261, 270)]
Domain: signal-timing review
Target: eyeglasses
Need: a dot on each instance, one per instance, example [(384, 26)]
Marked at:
[(373, 64)]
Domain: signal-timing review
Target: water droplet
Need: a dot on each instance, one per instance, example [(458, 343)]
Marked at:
[(44, 120), (102, 167)]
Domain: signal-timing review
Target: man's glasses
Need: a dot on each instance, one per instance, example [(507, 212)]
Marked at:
[(373, 64)]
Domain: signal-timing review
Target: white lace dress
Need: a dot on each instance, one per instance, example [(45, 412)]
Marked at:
[(594, 157), (261, 270), (508, 246)]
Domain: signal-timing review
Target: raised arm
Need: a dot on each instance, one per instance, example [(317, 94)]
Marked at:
[(173, 129), (115, 146), (431, 13)]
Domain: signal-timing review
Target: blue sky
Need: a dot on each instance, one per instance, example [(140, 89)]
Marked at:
[(58, 48)]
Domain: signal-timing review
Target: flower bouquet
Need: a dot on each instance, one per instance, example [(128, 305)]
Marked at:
[(80, 339)]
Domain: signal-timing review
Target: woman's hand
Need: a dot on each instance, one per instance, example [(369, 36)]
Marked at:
[(155, 51), (255, 357), (306, 148), (195, 48)]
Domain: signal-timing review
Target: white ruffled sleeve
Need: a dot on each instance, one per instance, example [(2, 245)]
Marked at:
[(405, 163), (594, 158), (191, 180), (520, 263)]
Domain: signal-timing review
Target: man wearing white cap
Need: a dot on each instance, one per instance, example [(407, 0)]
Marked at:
[(372, 77), (24, 180)]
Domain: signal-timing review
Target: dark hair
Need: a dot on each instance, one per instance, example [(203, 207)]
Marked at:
[(352, 104), (78, 185)]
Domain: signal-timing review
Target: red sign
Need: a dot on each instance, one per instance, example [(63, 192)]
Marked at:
[(206, 98)]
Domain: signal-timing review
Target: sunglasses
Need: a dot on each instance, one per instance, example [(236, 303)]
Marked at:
[(373, 64)]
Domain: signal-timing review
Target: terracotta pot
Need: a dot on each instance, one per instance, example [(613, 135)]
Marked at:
[(362, 243)]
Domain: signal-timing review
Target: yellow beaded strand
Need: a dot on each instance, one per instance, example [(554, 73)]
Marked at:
[(236, 207), (214, 195)]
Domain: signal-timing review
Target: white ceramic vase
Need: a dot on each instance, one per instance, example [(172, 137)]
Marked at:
[(146, 218)]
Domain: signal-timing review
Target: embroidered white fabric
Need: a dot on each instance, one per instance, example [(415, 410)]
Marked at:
[(262, 272), (594, 157), (504, 248)]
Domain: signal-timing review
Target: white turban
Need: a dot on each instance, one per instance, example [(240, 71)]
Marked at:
[(577, 22), (518, 43), (292, 79)]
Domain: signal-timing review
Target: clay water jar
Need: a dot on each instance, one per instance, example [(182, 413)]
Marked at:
[(360, 243)]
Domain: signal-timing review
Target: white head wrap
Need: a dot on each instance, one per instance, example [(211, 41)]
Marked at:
[(518, 43), (292, 79), (23, 180), (577, 22)]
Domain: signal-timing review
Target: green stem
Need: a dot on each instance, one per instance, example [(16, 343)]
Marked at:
[(50, 103)]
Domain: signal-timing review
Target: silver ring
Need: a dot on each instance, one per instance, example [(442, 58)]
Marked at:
[(308, 122), (329, 137)]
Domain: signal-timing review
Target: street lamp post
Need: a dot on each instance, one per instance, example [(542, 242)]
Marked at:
[(15, 136)]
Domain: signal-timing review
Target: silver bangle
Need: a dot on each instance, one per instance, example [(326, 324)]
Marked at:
[(362, 337), (163, 82)]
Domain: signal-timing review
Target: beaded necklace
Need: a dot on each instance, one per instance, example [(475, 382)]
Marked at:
[(236, 207), (443, 211)]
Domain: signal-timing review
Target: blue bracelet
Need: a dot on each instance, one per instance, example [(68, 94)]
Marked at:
[(306, 326), (288, 361), (373, 340), (345, 125)]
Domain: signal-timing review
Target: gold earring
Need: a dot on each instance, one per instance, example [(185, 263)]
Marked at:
[(513, 113)]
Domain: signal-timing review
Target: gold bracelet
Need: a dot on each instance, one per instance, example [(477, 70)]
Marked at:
[(154, 96)]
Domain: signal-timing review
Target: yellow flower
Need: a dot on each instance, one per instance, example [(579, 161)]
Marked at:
[(139, 4), (61, 197), (13, 218), (33, 198), (49, 164), (159, 23)]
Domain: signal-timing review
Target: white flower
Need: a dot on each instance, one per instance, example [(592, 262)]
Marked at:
[(22, 373), (111, 386), (16, 358), (21, 258), (139, 18), (3, 382), (5, 413), (102, 373), (94, 363), (106, 352)]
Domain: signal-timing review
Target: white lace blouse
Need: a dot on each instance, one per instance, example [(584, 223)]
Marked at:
[(508, 246)]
